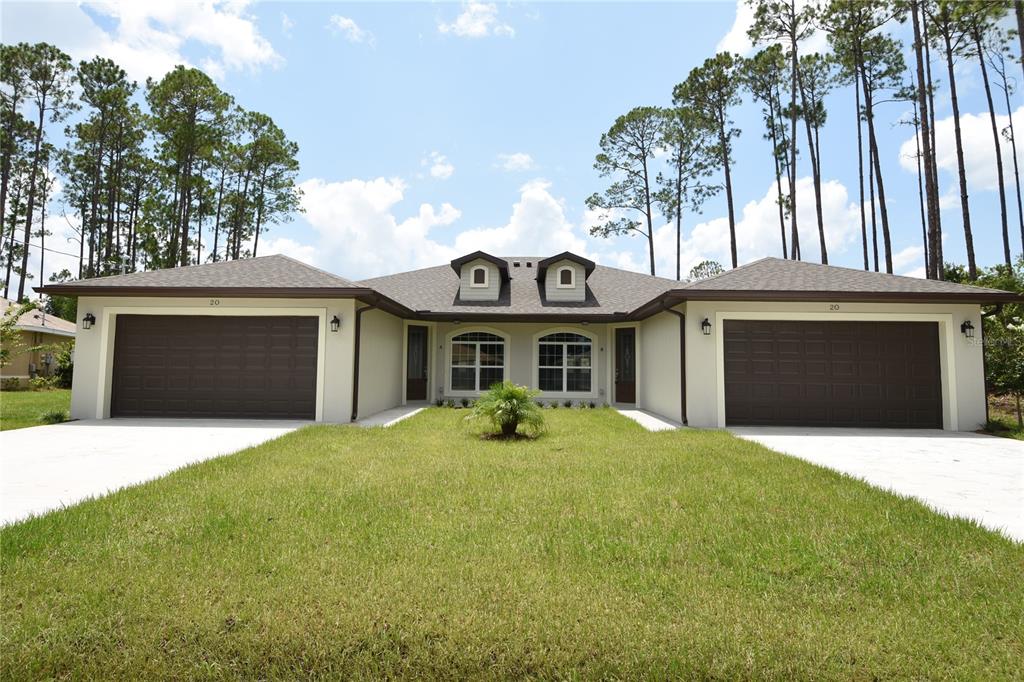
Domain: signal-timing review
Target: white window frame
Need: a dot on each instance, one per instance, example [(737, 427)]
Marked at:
[(472, 277), (594, 348), (572, 277), (450, 339)]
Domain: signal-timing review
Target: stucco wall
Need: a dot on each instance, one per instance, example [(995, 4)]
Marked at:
[(520, 361), (19, 363), (470, 293), (658, 389), (960, 358), (90, 397), (380, 362), (576, 293)]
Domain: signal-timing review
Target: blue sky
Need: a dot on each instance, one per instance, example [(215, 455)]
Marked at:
[(430, 130)]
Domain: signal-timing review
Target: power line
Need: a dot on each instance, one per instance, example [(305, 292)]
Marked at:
[(46, 248)]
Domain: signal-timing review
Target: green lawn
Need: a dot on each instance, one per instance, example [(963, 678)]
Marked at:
[(1002, 412), (19, 409), (420, 551)]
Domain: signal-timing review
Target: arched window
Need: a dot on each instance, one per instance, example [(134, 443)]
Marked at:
[(565, 361), (478, 361), (566, 278), (478, 276)]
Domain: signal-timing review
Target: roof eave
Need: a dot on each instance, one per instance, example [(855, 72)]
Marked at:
[(247, 292)]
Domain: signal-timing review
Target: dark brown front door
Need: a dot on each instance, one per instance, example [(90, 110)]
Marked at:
[(625, 365), (215, 366), (416, 364), (870, 374)]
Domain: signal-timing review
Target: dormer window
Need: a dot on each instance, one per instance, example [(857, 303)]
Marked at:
[(478, 277), (566, 278)]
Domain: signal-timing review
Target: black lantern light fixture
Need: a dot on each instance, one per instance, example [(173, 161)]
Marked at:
[(335, 323), (967, 329), (705, 327), (88, 321)]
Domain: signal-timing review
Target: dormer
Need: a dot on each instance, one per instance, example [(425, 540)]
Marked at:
[(564, 277), (480, 276)]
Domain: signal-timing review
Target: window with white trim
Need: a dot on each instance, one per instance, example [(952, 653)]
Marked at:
[(566, 278), (564, 363), (478, 276), (478, 361)]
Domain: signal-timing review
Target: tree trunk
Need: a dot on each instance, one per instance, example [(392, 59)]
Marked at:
[(860, 167), (778, 179), (508, 429), (42, 231), (874, 218), (920, 190), (216, 223), (815, 171), (724, 143), (81, 240), (31, 198), (1020, 416), (999, 153), (873, 154), (1018, 8), (679, 212), (926, 108), (8, 155), (1016, 168), (10, 242), (647, 204), (965, 208), (795, 237)]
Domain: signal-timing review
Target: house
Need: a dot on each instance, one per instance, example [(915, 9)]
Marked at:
[(40, 334), (773, 342)]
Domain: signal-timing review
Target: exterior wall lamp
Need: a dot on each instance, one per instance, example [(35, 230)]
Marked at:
[(705, 327), (967, 329), (335, 323), (88, 321)]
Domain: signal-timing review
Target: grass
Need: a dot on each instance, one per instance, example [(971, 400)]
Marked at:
[(19, 409), (421, 551), (1002, 421)]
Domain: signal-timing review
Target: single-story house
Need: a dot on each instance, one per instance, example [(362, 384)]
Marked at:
[(40, 334), (773, 342)]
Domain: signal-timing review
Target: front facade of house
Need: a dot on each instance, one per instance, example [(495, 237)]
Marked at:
[(41, 336), (774, 342)]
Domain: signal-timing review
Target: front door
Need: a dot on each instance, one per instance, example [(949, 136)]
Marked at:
[(625, 365), (416, 364)]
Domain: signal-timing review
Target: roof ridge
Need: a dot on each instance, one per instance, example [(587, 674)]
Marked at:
[(307, 265), (729, 271)]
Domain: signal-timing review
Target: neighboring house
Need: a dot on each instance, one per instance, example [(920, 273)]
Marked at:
[(772, 342), (39, 334)]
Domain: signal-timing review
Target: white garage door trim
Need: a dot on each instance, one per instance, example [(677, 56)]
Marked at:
[(947, 337), (107, 340)]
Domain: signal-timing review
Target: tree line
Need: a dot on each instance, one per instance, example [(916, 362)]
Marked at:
[(178, 176), (668, 160)]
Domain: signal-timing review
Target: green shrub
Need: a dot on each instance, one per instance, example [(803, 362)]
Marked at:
[(54, 417), (65, 369), (10, 384), (592, 404), (439, 402), (568, 403), (553, 404), (465, 402), (508, 406), (40, 383), (449, 403)]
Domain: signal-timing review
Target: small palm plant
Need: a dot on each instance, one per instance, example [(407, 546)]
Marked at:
[(508, 406)]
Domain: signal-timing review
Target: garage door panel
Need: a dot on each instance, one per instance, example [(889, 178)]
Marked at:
[(883, 374), (215, 366)]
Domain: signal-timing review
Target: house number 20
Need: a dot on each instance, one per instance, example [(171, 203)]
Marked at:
[(214, 301), (833, 306)]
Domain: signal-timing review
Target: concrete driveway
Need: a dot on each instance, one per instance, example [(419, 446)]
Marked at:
[(48, 467), (962, 474)]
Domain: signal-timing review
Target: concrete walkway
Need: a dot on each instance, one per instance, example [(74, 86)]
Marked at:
[(392, 416), (962, 474), (649, 420), (47, 467)]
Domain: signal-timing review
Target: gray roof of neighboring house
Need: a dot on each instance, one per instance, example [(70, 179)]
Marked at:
[(39, 321), (772, 276), (609, 291), (264, 272)]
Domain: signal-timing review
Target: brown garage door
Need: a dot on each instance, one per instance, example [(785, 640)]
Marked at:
[(874, 374), (215, 366)]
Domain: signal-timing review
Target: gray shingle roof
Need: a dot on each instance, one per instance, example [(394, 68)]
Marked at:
[(776, 274), (264, 272), (609, 290)]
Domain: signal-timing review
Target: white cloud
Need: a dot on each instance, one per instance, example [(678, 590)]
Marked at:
[(518, 161), (440, 167), (287, 24), (979, 152), (147, 38), (737, 41), (477, 20), (350, 30), (288, 247)]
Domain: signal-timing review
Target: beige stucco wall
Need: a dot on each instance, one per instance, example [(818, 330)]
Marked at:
[(90, 397), (658, 388), (521, 360), (380, 362), (960, 358), (18, 367)]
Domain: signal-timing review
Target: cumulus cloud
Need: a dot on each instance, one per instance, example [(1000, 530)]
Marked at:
[(147, 38), (517, 161), (737, 41), (350, 30), (287, 24), (439, 166), (979, 152), (477, 20)]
